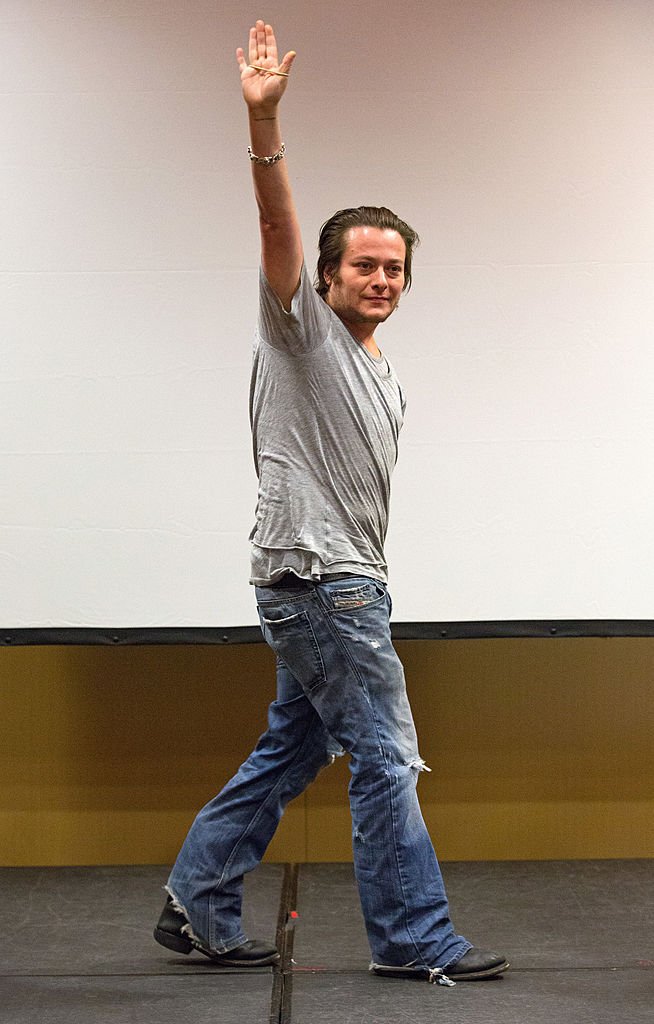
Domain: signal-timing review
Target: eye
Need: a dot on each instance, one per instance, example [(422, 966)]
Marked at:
[(395, 270)]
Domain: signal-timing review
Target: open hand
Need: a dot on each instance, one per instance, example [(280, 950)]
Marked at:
[(265, 84)]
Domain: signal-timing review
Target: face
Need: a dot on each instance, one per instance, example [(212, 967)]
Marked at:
[(367, 286)]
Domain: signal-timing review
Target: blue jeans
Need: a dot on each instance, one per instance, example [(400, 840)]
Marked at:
[(340, 685)]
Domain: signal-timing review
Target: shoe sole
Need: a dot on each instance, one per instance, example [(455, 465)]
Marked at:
[(263, 962), (410, 972), (177, 942), (181, 944)]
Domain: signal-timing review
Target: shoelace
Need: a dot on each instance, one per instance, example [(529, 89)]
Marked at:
[(436, 977)]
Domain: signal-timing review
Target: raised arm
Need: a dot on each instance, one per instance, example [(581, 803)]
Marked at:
[(264, 82)]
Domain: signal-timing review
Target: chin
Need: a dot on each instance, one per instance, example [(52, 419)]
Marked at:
[(381, 316)]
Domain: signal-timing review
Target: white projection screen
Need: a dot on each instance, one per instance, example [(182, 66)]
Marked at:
[(516, 136)]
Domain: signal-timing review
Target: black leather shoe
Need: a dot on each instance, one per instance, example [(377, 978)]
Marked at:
[(168, 933), (477, 964)]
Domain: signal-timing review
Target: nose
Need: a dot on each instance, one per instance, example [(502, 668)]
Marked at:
[(379, 279)]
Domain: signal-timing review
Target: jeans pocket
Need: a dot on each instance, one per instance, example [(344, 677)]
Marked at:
[(345, 598), (293, 639)]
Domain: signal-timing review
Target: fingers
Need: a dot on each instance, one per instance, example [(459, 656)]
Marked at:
[(261, 35), (262, 45), (287, 62), (252, 46), (243, 66), (270, 42), (262, 51)]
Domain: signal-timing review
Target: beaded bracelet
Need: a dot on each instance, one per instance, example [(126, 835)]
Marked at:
[(267, 161)]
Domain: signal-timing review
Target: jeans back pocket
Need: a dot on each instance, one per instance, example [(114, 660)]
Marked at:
[(294, 640), (363, 594)]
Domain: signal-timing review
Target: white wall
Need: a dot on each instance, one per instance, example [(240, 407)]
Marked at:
[(515, 135)]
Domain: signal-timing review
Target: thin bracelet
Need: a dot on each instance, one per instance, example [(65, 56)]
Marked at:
[(267, 161)]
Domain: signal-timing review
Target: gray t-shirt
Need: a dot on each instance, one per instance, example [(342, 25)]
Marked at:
[(326, 417)]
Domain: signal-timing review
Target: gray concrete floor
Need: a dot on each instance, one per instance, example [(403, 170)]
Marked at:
[(77, 947)]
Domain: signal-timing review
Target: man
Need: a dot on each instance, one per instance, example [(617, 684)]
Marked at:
[(326, 411)]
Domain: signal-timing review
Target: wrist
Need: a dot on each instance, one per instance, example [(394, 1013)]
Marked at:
[(262, 113)]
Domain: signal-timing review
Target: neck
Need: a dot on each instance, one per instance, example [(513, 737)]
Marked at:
[(372, 347), (363, 332), (368, 342)]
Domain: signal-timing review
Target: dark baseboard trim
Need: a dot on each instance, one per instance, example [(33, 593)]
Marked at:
[(508, 629)]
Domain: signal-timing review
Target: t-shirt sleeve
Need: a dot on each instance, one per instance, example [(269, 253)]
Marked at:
[(304, 328)]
